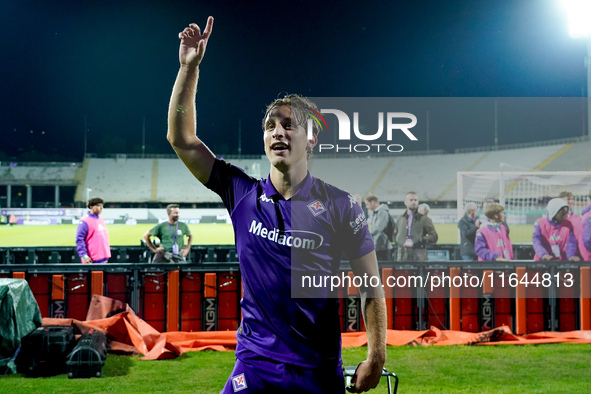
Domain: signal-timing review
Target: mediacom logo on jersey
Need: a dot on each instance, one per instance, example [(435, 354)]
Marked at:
[(299, 239)]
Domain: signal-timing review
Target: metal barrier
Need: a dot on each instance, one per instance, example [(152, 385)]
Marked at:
[(524, 295)]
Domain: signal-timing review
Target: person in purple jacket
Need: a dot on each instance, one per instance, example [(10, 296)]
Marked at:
[(492, 238), (92, 236), (588, 207), (553, 236), (585, 241), (286, 227)]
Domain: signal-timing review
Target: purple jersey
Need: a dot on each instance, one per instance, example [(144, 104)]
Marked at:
[(274, 237)]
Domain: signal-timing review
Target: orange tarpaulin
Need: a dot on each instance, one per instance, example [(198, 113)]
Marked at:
[(128, 334), (131, 335)]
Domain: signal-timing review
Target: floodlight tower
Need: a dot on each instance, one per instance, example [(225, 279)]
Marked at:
[(579, 26)]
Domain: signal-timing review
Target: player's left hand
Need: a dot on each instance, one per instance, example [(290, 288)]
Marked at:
[(184, 252), (367, 376), (193, 43)]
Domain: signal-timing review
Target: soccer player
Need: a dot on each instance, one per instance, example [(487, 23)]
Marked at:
[(288, 223)]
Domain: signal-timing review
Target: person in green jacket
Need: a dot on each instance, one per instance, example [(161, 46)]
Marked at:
[(413, 231)]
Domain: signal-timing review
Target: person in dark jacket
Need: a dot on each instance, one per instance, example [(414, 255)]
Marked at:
[(468, 226), (378, 223), (413, 231)]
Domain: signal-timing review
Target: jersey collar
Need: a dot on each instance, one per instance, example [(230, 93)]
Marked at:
[(304, 189)]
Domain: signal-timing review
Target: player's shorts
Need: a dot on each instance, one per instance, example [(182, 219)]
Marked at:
[(256, 374)]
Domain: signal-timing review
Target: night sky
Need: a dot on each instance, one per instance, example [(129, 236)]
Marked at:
[(115, 63)]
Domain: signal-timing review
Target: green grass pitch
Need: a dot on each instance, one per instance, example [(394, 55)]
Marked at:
[(558, 368), (203, 234)]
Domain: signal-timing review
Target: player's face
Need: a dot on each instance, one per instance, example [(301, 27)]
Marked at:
[(371, 205), (570, 201), (285, 142), (174, 215), (500, 217), (411, 201), (561, 215), (96, 209)]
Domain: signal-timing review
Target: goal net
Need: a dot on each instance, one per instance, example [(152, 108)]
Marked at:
[(524, 195)]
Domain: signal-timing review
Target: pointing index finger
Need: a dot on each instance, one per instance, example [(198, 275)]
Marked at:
[(209, 27)]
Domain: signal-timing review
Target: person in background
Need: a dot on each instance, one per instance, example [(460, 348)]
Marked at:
[(588, 207), (572, 217), (483, 218), (424, 209), (171, 234), (468, 226), (378, 220), (92, 236), (553, 236), (585, 239), (413, 231), (492, 238)]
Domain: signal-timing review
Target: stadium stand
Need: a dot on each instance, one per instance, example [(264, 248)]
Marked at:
[(176, 184), (577, 158), (354, 175), (120, 179), (39, 174), (433, 177), (164, 179)]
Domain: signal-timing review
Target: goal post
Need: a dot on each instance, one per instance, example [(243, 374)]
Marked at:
[(524, 195)]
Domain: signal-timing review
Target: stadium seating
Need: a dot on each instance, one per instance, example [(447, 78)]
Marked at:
[(39, 174), (122, 180), (176, 184), (433, 177), (354, 175), (575, 159)]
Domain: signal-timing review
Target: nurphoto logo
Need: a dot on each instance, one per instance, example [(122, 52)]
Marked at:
[(393, 121)]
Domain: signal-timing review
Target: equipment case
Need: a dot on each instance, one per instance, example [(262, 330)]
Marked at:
[(88, 357), (44, 351)]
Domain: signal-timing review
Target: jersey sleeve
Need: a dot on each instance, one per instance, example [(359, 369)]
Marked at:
[(354, 235), (229, 182)]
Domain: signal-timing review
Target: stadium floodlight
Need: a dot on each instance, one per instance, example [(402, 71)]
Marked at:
[(579, 17), (579, 22)]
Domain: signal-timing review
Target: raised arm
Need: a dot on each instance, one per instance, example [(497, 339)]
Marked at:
[(182, 118), (373, 305)]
